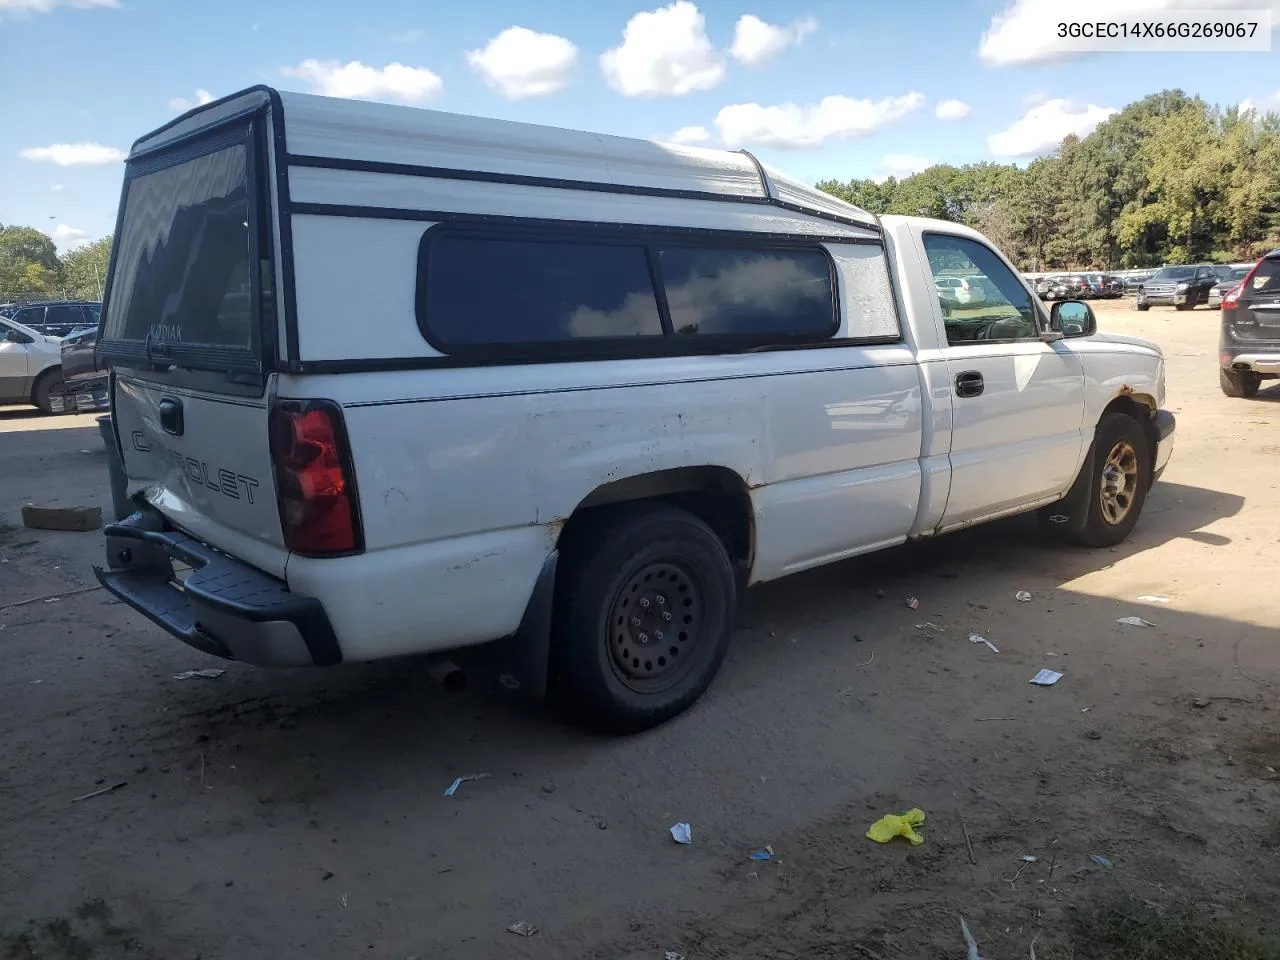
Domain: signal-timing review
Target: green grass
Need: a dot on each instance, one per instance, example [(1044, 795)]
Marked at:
[(1132, 930)]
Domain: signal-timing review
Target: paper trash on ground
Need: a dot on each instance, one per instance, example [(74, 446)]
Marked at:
[(450, 790), (1148, 598), (1022, 596), (682, 833), (1135, 622), (523, 928), (1046, 678), (206, 674), (979, 638)]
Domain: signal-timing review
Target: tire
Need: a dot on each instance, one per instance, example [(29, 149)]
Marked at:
[(1239, 383), (1100, 526), (1142, 306), (1185, 306), (619, 675), (46, 386)]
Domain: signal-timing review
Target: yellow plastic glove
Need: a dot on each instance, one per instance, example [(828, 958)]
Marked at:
[(892, 825)]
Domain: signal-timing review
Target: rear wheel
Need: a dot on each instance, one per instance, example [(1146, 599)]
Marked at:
[(644, 615), (46, 387), (1239, 383), (1142, 306), (1189, 305)]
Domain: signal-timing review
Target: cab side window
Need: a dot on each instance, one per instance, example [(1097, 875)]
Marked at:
[(981, 298)]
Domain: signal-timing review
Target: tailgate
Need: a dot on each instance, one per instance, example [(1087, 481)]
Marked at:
[(204, 461)]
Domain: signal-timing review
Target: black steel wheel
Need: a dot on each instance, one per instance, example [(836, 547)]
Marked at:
[(644, 615)]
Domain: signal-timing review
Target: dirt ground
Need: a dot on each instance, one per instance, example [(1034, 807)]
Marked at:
[(300, 814)]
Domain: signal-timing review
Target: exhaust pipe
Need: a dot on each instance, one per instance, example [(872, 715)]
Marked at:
[(448, 674)]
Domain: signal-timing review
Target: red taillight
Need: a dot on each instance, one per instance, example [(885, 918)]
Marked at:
[(315, 486)]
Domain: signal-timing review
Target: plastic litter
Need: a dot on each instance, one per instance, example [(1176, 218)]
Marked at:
[(1101, 860), (1135, 622), (682, 833), (913, 603), (979, 638), (1022, 596), (1148, 598), (207, 674), (1046, 678), (450, 790), (765, 854), (892, 825), (970, 943), (672, 955), (1029, 859), (523, 928)]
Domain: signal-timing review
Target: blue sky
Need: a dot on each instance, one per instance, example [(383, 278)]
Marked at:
[(819, 89)]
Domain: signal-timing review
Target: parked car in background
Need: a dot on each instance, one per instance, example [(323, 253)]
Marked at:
[(1077, 287), (1051, 288), (1249, 350), (1133, 281), (1225, 283), (54, 318), (84, 381), (30, 366), (960, 291), (1115, 287), (1179, 287)]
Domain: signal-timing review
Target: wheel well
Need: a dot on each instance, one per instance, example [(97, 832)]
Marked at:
[(716, 495), (1140, 407), (42, 376)]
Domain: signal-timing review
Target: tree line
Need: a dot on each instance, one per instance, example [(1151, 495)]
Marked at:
[(31, 269), (1168, 179)]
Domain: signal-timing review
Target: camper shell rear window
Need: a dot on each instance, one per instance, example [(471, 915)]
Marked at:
[(189, 281)]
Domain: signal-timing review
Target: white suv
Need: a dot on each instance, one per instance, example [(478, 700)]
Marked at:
[(30, 366)]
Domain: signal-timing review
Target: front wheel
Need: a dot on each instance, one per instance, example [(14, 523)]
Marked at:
[(1239, 383), (1189, 305), (1114, 489), (644, 615), (1142, 306)]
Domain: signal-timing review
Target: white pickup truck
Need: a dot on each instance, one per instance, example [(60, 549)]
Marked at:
[(391, 381)]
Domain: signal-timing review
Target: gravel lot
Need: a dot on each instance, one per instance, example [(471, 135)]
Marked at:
[(300, 814)]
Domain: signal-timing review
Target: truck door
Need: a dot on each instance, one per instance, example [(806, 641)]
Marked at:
[(1018, 401)]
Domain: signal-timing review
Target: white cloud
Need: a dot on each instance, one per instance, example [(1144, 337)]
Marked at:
[(356, 81), (1027, 31), (690, 135), (520, 63), (755, 41), (182, 103), (67, 238), (664, 52), (74, 154), (58, 188), (791, 126), (47, 6), (952, 110), (1042, 128), (1267, 103), (902, 165)]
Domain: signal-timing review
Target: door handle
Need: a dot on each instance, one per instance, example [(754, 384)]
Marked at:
[(969, 384), (171, 416)]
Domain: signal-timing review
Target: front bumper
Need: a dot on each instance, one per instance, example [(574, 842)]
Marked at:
[(1163, 426), (224, 607), (1162, 299)]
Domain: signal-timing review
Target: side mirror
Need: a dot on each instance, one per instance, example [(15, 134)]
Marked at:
[(16, 336), (1072, 318)]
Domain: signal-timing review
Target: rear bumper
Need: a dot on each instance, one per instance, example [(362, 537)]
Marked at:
[(1164, 425), (1264, 363), (225, 608)]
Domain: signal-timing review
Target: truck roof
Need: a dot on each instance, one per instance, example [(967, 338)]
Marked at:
[(332, 133)]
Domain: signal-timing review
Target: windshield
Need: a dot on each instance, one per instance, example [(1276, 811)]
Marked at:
[(1174, 273), (182, 273)]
